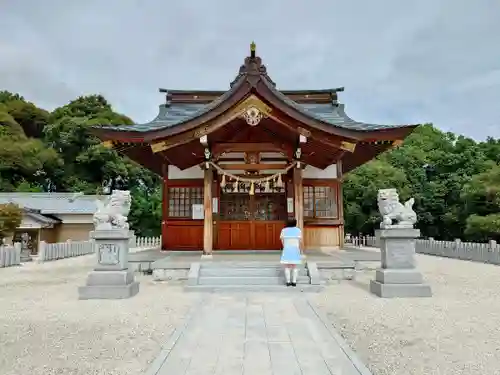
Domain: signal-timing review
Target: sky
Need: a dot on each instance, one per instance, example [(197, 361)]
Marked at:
[(401, 62)]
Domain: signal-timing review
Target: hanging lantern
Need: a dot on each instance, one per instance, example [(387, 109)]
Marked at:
[(279, 181), (252, 189), (223, 182), (235, 190)]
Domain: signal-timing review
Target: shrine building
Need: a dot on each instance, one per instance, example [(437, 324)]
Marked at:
[(236, 164)]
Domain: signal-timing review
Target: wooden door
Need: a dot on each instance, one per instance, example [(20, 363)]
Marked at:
[(250, 222)]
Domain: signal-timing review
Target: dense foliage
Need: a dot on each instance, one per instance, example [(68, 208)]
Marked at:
[(11, 216), (42, 151), (455, 180)]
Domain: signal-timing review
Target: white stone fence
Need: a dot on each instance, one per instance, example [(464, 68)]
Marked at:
[(367, 241), (473, 251), (61, 250), (10, 255), (69, 249), (144, 243)]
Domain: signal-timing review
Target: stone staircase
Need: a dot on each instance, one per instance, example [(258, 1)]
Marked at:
[(249, 276)]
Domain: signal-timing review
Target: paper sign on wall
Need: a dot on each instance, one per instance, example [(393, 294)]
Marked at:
[(198, 212), (215, 205), (289, 205)]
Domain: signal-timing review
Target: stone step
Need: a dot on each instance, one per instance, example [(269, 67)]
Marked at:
[(304, 288), (248, 280), (243, 264), (241, 272)]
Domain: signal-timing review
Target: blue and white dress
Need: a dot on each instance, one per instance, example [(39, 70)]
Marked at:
[(291, 245)]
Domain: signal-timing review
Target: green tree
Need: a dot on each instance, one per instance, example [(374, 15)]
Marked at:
[(30, 118), (145, 214), (482, 199), (11, 216), (9, 126), (360, 194), (453, 160), (26, 160), (89, 165)]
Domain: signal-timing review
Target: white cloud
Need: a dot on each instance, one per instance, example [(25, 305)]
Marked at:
[(401, 62)]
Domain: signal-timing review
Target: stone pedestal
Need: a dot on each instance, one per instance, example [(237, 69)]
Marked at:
[(111, 278), (25, 255), (398, 276)]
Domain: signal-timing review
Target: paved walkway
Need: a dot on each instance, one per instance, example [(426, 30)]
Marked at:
[(257, 334)]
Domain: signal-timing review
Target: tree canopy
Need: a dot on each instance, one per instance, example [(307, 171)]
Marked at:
[(11, 216), (55, 152), (455, 180)]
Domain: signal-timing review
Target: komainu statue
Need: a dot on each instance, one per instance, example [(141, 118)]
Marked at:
[(112, 213), (392, 209)]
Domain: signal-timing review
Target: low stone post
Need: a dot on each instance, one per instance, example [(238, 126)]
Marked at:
[(17, 251), (111, 277), (132, 238), (398, 276), (25, 250)]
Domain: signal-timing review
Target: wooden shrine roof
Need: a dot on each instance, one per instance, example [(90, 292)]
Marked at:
[(176, 112), (189, 114)]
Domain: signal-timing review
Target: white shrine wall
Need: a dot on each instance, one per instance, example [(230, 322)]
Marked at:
[(192, 173), (196, 172), (327, 173)]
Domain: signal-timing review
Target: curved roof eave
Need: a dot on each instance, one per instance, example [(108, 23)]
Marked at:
[(252, 78), (134, 130)]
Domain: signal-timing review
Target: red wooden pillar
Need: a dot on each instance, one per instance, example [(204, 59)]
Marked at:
[(208, 226), (298, 191), (290, 195), (164, 222), (340, 200)]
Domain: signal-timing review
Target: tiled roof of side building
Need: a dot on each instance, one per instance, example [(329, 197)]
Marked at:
[(37, 216), (176, 113), (53, 203)]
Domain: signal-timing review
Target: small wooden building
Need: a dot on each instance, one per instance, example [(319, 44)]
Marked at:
[(236, 163)]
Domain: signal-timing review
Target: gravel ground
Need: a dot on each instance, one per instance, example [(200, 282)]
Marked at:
[(45, 329), (457, 331)]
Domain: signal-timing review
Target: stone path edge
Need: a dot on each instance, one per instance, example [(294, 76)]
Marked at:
[(360, 366), (172, 340)]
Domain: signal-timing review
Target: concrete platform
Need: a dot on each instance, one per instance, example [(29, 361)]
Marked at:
[(347, 255), (108, 291)]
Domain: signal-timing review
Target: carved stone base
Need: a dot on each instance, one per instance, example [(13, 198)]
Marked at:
[(109, 285), (111, 278), (398, 276), (112, 248), (399, 290), (409, 276), (26, 256)]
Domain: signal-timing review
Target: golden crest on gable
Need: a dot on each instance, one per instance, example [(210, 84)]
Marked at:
[(252, 110), (252, 116)]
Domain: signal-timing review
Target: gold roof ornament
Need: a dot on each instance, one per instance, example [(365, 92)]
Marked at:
[(253, 47), (347, 146), (397, 143), (107, 144)]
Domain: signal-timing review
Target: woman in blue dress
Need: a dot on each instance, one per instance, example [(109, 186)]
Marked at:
[(291, 238)]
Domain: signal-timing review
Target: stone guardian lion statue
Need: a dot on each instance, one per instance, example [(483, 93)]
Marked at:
[(392, 209), (112, 213)]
